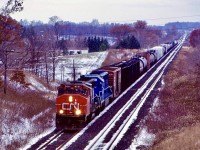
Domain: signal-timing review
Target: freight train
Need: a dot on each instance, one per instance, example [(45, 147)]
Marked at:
[(79, 101)]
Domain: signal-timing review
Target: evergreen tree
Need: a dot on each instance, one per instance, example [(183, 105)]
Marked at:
[(96, 44), (130, 42), (133, 43)]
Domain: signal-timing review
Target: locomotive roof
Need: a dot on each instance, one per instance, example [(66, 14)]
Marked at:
[(96, 76), (85, 81)]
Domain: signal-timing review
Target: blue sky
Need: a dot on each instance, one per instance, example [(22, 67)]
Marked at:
[(122, 11)]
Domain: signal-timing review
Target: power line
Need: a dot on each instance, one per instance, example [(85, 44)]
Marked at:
[(150, 19)]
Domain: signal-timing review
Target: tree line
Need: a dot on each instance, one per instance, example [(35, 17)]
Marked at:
[(36, 46)]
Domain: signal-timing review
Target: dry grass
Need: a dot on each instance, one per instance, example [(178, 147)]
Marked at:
[(186, 139), (20, 108), (176, 120), (117, 55)]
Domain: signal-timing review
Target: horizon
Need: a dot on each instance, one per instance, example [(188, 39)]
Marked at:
[(154, 12)]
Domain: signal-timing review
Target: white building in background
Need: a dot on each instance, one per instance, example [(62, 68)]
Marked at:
[(75, 51)]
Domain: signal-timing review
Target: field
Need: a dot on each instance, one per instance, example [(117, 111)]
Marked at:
[(175, 121)]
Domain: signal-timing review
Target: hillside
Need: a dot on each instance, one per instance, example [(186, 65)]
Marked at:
[(175, 120), (28, 109), (117, 55)]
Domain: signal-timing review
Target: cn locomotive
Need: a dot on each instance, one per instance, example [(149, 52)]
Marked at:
[(78, 101)]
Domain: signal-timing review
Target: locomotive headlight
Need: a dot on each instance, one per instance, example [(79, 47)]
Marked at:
[(78, 112), (61, 111), (70, 99)]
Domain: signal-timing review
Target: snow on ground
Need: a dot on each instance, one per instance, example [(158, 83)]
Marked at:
[(13, 127), (15, 131), (35, 85), (142, 139), (83, 63), (37, 138), (40, 114)]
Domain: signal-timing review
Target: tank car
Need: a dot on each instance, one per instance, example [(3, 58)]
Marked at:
[(152, 57), (159, 51), (143, 64), (166, 47)]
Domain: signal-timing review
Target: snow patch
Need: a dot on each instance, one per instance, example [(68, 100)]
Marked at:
[(37, 138), (142, 139), (35, 85), (83, 64), (40, 114), (15, 131)]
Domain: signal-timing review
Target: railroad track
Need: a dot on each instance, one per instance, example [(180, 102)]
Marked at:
[(55, 140), (51, 139), (110, 135), (98, 141)]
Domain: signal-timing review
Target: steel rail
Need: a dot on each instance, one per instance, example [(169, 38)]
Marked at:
[(52, 138), (100, 137)]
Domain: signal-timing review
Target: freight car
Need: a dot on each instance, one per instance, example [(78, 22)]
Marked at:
[(130, 71), (78, 101)]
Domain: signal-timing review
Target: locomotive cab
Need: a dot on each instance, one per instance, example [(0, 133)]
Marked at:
[(73, 105)]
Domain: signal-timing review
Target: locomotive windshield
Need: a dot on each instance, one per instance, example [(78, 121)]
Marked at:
[(72, 89)]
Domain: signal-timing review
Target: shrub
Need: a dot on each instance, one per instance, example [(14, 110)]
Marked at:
[(195, 38)]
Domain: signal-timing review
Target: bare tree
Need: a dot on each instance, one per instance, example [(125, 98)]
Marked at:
[(121, 31), (32, 47), (10, 39), (146, 35), (57, 24), (139, 31), (11, 6)]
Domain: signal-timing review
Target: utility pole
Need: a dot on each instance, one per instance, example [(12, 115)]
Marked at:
[(5, 73), (5, 69), (73, 73)]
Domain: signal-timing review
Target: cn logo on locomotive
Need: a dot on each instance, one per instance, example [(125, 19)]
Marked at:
[(70, 106)]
